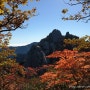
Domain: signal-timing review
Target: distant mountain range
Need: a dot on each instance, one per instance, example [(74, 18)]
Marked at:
[(34, 54), (23, 49)]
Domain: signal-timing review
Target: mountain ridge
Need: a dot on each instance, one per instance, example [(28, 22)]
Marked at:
[(33, 55)]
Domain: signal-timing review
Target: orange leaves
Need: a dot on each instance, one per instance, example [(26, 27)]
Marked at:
[(66, 54), (71, 69), (48, 76), (30, 72), (11, 73)]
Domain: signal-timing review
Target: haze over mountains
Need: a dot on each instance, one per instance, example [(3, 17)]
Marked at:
[(34, 54), (23, 49)]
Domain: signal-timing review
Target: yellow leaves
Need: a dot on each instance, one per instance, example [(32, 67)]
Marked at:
[(4, 39), (0, 22), (88, 6), (1, 12), (2, 4), (11, 18), (33, 10), (14, 15), (79, 44)]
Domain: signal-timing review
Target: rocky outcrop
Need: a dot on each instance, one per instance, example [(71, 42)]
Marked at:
[(70, 36), (53, 42), (35, 57)]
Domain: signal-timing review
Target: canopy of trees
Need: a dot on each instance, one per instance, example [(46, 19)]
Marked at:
[(12, 17), (81, 44), (71, 70)]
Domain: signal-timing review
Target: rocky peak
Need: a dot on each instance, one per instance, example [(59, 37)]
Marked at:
[(54, 36), (70, 36), (52, 42)]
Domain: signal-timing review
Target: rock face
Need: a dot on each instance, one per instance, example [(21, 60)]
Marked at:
[(53, 42), (37, 53), (35, 57)]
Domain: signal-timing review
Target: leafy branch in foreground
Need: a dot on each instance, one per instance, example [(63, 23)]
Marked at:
[(12, 17), (83, 14)]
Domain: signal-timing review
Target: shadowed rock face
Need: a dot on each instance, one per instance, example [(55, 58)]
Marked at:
[(37, 53), (53, 42), (35, 57)]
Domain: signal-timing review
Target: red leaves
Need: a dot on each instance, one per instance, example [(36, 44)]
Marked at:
[(60, 54), (73, 67), (30, 72)]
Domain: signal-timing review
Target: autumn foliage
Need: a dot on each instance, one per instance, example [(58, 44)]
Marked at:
[(72, 69), (12, 17), (81, 44), (11, 75)]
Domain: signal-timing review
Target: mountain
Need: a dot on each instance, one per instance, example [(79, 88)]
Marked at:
[(21, 52), (53, 42), (23, 49), (34, 54), (37, 54)]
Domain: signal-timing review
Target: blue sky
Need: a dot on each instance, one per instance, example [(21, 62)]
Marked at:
[(48, 18)]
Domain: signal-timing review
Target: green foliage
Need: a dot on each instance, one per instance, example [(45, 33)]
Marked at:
[(82, 44)]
